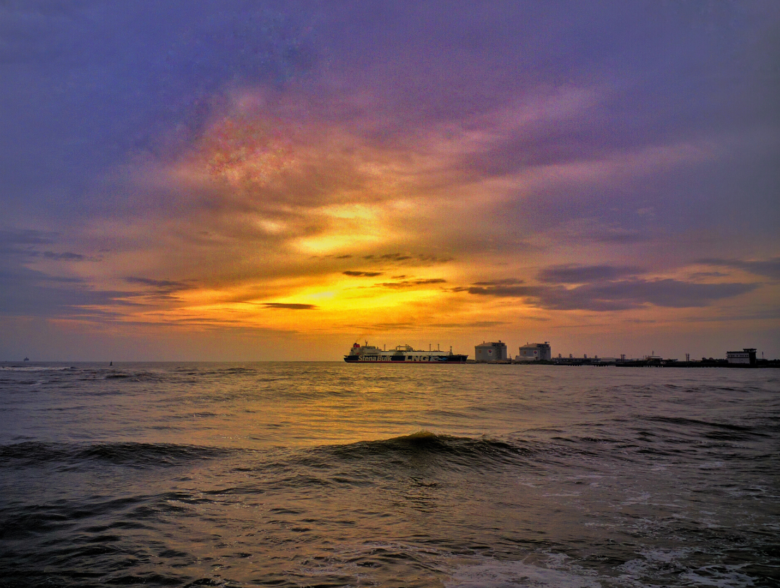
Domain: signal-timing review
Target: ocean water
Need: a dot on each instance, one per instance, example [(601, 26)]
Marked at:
[(328, 474)]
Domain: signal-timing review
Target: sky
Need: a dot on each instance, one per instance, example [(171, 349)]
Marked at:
[(254, 180)]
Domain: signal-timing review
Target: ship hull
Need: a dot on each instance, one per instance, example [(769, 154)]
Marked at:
[(406, 360)]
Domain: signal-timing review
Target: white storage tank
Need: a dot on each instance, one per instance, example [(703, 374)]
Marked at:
[(490, 351), (535, 352)]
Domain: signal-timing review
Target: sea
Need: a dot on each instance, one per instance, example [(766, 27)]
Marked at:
[(330, 474)]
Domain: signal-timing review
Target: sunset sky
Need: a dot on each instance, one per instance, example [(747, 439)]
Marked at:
[(246, 180)]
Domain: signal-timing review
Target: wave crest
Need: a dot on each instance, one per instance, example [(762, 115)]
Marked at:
[(31, 453), (444, 450)]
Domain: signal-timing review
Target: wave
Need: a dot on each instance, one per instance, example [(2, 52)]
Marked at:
[(696, 422), (33, 453), (487, 572), (441, 449), (141, 376), (34, 368), (714, 430)]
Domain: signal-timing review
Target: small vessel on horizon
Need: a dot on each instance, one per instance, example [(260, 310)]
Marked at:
[(26, 359), (401, 354)]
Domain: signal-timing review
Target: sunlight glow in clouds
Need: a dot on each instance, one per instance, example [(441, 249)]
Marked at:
[(275, 176), (514, 172)]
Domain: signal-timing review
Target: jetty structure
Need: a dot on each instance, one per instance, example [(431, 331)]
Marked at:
[(745, 357), (541, 354)]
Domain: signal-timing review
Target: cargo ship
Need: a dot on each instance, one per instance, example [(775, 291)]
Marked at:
[(401, 354)]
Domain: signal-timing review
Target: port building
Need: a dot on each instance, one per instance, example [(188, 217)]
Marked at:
[(485, 352), (746, 356), (535, 352)]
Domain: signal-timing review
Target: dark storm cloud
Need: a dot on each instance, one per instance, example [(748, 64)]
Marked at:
[(290, 306), (769, 268), (619, 295), (577, 274)]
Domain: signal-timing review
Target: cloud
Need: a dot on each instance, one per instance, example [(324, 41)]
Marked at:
[(27, 292), (504, 282), (502, 291), (361, 274), (161, 285), (469, 324), (67, 256), (413, 283), (245, 150), (766, 314), (383, 326), (289, 306), (23, 242), (408, 258), (389, 257), (578, 274), (619, 295), (705, 275), (9, 239), (769, 268)]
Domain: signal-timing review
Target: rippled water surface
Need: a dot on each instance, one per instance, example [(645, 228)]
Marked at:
[(327, 474)]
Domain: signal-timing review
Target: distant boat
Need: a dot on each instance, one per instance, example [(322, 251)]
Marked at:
[(110, 363), (26, 359)]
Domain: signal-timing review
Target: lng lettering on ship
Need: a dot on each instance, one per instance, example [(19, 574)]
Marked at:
[(401, 354)]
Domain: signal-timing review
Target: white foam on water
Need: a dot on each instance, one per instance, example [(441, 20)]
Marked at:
[(721, 577), (772, 525), (491, 573), (665, 555), (648, 565), (641, 499), (663, 561), (633, 568)]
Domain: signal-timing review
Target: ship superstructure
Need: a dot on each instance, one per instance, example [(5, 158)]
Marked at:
[(401, 354)]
